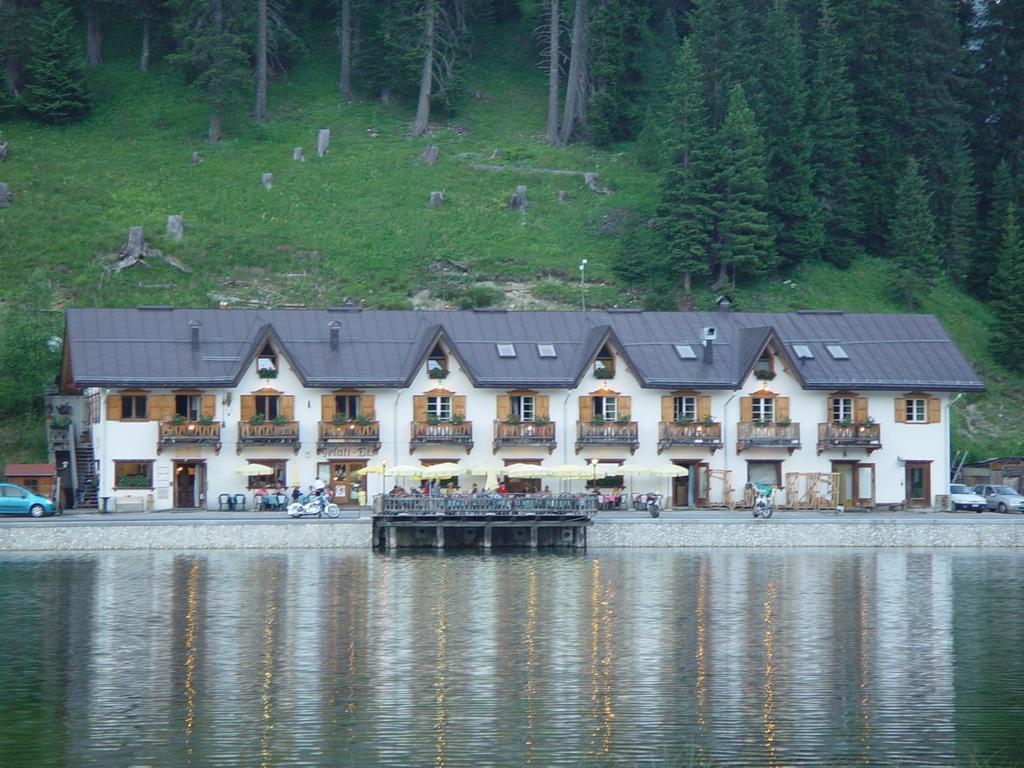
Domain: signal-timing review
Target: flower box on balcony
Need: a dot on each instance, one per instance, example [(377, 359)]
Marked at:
[(437, 373), (763, 374), (267, 373), (604, 373)]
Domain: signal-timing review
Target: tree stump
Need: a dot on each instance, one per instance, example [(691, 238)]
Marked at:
[(518, 201), (323, 141), (495, 154), (563, 196), (196, 158), (175, 228), (297, 155), (3, 150), (436, 198), (590, 179), (5, 196), (429, 155), (267, 180)]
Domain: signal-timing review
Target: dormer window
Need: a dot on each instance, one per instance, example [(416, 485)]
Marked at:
[(604, 364), (266, 363), (437, 363)]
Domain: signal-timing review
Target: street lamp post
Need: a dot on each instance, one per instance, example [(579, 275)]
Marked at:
[(383, 479), (583, 292)]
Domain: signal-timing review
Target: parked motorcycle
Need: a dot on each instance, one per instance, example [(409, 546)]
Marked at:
[(762, 499), (313, 506)]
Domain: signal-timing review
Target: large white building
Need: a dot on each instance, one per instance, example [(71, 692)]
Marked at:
[(168, 406)]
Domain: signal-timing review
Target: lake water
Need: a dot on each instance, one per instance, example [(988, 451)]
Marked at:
[(660, 657)]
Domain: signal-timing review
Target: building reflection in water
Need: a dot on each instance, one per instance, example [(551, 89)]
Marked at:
[(703, 657)]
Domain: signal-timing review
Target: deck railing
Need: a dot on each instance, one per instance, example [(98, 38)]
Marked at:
[(674, 434), (611, 433), (349, 433), (526, 433), (188, 433), (832, 435), (442, 433), (509, 505), (750, 434), (269, 433)]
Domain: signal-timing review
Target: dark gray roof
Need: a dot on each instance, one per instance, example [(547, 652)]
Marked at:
[(151, 347)]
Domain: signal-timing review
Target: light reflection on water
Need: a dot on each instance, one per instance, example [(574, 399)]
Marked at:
[(659, 657)]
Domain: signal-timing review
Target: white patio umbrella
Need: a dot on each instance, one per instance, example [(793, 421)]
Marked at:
[(252, 470), (668, 470), (376, 469), (405, 470), (527, 471), (442, 471)]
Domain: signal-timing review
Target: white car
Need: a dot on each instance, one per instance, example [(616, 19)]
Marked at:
[(962, 497)]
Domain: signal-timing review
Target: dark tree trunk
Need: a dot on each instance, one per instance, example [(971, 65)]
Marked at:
[(574, 112), (259, 110), (422, 121), (553, 79), (216, 131), (144, 57), (93, 34), (345, 35)]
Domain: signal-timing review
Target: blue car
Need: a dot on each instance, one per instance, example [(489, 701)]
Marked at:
[(15, 500)]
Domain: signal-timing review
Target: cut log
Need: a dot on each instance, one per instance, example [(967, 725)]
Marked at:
[(297, 155), (169, 260), (436, 198), (429, 155), (323, 141), (563, 196), (196, 158), (5, 196), (518, 201), (175, 228), (3, 150), (267, 180)]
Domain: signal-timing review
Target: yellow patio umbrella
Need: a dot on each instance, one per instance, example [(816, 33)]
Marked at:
[(491, 483), (527, 471), (441, 471), (405, 470), (255, 469), (376, 469), (668, 470), (633, 471)]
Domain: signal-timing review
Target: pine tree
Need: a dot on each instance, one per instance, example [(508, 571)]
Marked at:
[(835, 144), (782, 106), (684, 212), (650, 144), (960, 215), (914, 254), (1002, 198), (55, 90), (743, 237), (721, 42), (617, 30), (1007, 291)]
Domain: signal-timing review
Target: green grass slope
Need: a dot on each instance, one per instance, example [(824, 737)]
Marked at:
[(356, 224)]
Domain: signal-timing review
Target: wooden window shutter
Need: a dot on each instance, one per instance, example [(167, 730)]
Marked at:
[(207, 406), (746, 409), (781, 408), (703, 407), (328, 407), (541, 409), (368, 407), (666, 407), (504, 404), (113, 407), (247, 409), (287, 407), (860, 409), (419, 408), (934, 410), (625, 406), (160, 407), (586, 409), (459, 406), (901, 410)]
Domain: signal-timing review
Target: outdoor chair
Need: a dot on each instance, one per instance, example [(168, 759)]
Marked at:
[(224, 501), (239, 501)]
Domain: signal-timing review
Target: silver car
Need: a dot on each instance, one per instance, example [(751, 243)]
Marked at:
[(1001, 498)]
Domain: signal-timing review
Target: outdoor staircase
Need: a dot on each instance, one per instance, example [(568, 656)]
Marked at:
[(85, 471)]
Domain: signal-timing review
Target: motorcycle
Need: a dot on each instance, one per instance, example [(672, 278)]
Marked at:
[(762, 500), (313, 506), (651, 502)]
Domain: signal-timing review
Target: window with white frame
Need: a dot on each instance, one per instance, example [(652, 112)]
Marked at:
[(522, 407), (605, 408), (439, 407), (762, 409), (841, 409), (684, 408), (917, 410)]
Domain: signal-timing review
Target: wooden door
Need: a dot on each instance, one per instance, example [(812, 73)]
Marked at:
[(918, 483), (681, 491), (189, 484), (847, 491), (344, 484)]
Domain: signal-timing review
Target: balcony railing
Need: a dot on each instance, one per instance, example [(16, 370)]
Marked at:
[(752, 435), (831, 435), (612, 433), (526, 433), (268, 433), (349, 434), (672, 434), (442, 433), (188, 433), (531, 506)]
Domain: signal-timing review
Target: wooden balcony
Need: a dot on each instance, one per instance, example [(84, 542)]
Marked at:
[(349, 435), (673, 434), (843, 436), (611, 433), (442, 433), (752, 435), (526, 433), (189, 433), (268, 433)]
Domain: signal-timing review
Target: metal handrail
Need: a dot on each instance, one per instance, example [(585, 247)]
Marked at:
[(509, 505)]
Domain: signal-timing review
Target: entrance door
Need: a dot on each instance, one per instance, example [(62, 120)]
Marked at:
[(846, 494), (919, 483), (342, 481), (189, 484), (692, 489), (681, 491)]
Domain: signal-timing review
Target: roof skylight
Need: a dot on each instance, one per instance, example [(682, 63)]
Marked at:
[(546, 350), (803, 351), (506, 350), (685, 352), (837, 352)]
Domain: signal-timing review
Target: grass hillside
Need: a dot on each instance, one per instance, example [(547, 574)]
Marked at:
[(355, 224)]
